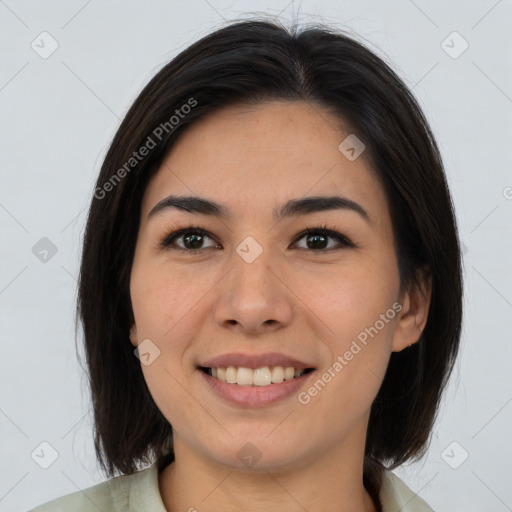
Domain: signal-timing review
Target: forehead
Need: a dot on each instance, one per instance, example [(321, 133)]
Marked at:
[(256, 157)]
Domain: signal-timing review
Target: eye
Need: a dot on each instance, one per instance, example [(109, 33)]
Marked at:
[(317, 239), (192, 239)]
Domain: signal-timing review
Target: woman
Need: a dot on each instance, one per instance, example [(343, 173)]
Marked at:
[(270, 286)]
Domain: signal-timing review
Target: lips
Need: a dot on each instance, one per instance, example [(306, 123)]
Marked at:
[(255, 361), (254, 396), (262, 394)]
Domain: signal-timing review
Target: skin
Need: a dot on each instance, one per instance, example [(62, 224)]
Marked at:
[(193, 307)]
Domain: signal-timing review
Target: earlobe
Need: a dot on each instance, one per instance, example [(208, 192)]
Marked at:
[(413, 316), (133, 335)]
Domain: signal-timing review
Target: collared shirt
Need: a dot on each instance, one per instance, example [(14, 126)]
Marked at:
[(140, 493)]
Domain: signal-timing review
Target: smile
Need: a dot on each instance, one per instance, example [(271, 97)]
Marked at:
[(254, 395), (264, 376)]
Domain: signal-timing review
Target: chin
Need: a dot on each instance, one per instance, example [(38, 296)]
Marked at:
[(254, 453)]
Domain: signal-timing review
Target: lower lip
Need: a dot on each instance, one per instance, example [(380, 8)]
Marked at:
[(255, 396)]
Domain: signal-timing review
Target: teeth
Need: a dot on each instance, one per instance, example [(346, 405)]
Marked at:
[(231, 375), (289, 373), (277, 374), (259, 377), (244, 376)]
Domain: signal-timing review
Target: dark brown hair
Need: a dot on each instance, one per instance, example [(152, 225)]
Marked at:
[(251, 62)]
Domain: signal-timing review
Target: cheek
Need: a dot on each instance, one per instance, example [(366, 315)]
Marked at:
[(163, 303), (171, 394), (362, 322), (356, 302), (350, 298), (161, 298)]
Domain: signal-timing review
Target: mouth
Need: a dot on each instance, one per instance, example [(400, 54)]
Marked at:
[(257, 377), (254, 381)]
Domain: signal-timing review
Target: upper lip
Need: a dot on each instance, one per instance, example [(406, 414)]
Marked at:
[(254, 361)]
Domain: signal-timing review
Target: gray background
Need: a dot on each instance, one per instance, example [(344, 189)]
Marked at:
[(58, 115)]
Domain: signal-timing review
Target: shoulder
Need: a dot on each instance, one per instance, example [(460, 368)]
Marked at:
[(396, 496), (123, 493)]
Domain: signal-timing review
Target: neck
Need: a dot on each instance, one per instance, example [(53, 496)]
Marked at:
[(194, 482)]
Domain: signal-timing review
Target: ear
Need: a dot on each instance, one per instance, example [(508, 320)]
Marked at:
[(414, 313), (133, 335)]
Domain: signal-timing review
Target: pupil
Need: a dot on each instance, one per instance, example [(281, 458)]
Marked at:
[(195, 238), (315, 237)]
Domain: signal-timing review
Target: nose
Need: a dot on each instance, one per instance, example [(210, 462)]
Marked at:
[(254, 297)]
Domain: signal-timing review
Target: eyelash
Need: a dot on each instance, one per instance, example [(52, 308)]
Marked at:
[(167, 240)]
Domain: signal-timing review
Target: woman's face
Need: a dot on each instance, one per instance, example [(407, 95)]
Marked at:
[(258, 285)]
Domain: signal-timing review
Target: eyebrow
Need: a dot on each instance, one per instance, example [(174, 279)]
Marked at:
[(302, 206)]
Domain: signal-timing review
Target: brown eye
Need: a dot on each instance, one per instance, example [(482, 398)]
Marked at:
[(189, 239), (317, 239), (192, 240)]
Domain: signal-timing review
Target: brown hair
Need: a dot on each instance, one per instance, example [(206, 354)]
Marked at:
[(250, 62)]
